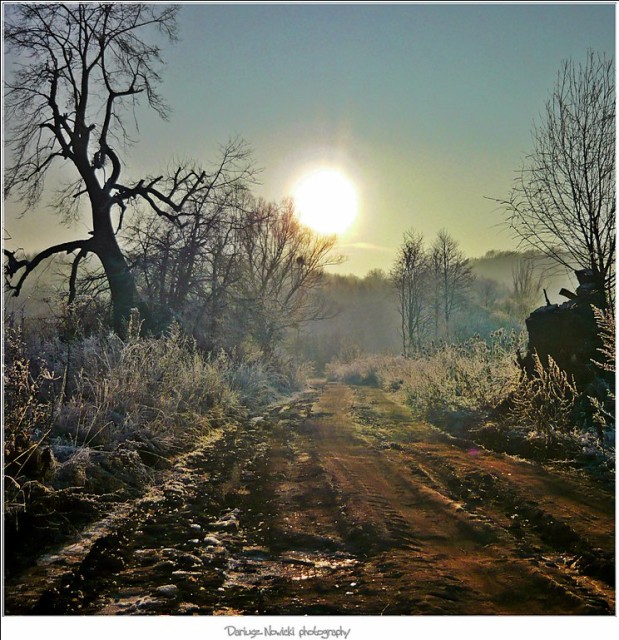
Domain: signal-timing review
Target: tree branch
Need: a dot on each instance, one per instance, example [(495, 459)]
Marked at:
[(14, 265)]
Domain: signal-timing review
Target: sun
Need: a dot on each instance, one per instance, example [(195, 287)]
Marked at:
[(326, 201)]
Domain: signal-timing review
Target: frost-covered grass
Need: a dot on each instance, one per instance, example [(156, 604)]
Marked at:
[(478, 389), (86, 411), (475, 376), (163, 386), (368, 370), (545, 401)]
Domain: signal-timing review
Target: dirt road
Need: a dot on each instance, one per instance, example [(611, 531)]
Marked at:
[(339, 503)]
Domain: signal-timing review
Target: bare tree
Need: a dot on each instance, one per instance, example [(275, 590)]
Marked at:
[(282, 265), (80, 72), (488, 292), (410, 276), (526, 289), (452, 279), (563, 200), (188, 272)]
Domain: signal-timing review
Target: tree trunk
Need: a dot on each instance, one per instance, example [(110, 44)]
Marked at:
[(123, 291)]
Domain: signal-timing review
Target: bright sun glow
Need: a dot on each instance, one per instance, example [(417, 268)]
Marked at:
[(326, 201)]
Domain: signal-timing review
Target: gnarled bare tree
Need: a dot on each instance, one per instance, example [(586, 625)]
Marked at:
[(80, 71), (563, 200)]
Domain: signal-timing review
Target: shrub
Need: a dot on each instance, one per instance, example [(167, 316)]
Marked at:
[(368, 370), (601, 394)]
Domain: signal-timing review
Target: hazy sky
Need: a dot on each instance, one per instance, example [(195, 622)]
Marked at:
[(428, 108)]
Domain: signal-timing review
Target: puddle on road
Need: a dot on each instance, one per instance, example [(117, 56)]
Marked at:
[(256, 567)]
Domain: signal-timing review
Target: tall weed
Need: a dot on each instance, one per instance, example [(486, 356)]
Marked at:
[(601, 394), (545, 401), (28, 414)]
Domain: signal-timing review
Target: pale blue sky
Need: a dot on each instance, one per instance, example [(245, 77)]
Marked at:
[(428, 108)]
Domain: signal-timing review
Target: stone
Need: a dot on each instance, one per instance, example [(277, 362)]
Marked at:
[(167, 591)]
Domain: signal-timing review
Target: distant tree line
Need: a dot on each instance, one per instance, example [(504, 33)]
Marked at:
[(370, 314), (440, 298)]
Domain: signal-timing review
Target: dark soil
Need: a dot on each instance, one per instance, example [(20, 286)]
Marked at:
[(339, 503)]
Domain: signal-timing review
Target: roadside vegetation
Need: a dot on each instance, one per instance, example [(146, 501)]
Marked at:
[(548, 395), (477, 390), (92, 421)]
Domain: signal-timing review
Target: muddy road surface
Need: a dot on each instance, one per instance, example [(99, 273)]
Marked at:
[(339, 503)]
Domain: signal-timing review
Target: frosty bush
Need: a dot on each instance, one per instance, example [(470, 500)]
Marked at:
[(164, 386), (474, 377), (258, 380), (545, 400), (601, 395), (369, 370), (28, 415), (106, 390)]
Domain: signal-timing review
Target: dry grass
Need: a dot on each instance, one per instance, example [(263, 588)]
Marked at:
[(545, 401), (161, 386), (28, 416), (368, 370), (474, 376), (602, 395)]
